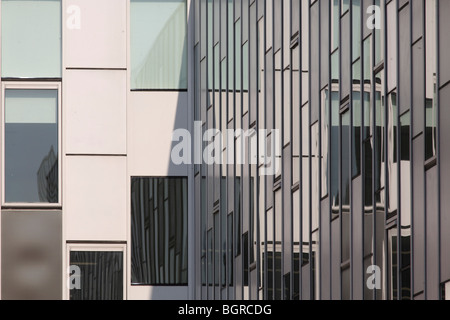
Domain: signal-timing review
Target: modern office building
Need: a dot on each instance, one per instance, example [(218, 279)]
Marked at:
[(225, 149)]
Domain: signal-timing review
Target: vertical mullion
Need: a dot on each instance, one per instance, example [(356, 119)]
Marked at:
[(397, 151), (362, 139), (273, 126), (291, 139), (281, 52), (300, 194), (227, 249), (438, 138), (374, 138), (265, 273), (351, 149), (319, 157), (256, 189), (384, 102)]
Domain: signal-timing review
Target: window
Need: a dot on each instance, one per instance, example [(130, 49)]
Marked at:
[(96, 271), (31, 144), (31, 38), (158, 44), (159, 231)]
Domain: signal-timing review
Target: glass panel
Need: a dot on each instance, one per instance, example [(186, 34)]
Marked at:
[(345, 186), (366, 89), (315, 175), (101, 275), (431, 80), (334, 140), (345, 6), (158, 227), (380, 238), (325, 137), (335, 67), (379, 34), (296, 242), (346, 284), (356, 28), (209, 269), (345, 158), (405, 201), (392, 165), (31, 38), (315, 249), (379, 131), (217, 249), (356, 125), (158, 44), (229, 257), (237, 217), (31, 146), (391, 43), (335, 16), (305, 185), (334, 146), (392, 264)]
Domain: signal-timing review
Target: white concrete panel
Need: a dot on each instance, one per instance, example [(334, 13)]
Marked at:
[(157, 293), (95, 197), (95, 111), (95, 33), (152, 118)]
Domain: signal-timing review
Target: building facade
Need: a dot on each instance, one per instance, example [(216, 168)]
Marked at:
[(91, 94), (357, 91), (225, 149)]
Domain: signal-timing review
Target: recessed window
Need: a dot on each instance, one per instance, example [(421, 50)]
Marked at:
[(159, 231), (31, 38), (158, 45), (31, 149)]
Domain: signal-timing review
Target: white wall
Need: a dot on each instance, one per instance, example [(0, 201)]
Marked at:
[(110, 133)]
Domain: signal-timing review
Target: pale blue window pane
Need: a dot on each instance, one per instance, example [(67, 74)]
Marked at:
[(356, 28), (31, 146), (158, 44), (31, 38)]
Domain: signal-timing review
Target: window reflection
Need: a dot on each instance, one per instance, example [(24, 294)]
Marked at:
[(305, 186), (325, 137), (31, 146), (158, 43), (159, 231), (31, 39), (379, 131), (393, 264), (345, 186), (101, 275), (431, 80), (405, 218), (392, 167)]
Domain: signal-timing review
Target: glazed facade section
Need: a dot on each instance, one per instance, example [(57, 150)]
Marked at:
[(358, 91)]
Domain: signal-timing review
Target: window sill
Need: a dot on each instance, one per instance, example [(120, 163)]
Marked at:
[(21, 206)]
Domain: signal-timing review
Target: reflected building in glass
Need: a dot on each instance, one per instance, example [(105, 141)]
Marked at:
[(357, 90)]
